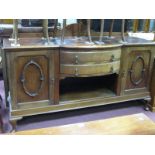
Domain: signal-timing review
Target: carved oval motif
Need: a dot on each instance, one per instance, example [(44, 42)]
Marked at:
[(23, 79), (138, 66)]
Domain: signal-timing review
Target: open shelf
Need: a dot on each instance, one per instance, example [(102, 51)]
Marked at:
[(81, 88)]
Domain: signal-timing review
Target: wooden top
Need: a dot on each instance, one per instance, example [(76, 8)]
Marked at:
[(125, 125), (77, 42), (116, 41), (29, 43)]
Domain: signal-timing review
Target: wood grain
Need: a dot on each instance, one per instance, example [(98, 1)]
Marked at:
[(137, 67), (76, 58), (90, 69), (89, 56)]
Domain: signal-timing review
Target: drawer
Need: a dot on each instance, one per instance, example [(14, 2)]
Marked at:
[(89, 56), (90, 70)]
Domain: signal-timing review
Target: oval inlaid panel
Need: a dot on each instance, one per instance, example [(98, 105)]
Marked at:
[(137, 70), (32, 85)]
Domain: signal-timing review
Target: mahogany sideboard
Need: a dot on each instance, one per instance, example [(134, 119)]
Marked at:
[(42, 78)]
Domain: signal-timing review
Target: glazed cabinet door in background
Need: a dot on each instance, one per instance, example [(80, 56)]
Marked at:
[(31, 78)]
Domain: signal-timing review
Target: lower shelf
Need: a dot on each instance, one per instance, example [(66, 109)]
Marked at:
[(82, 95), (86, 88)]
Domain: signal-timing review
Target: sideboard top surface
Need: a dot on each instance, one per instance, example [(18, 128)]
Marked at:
[(76, 42)]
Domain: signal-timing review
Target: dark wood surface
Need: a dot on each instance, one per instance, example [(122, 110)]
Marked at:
[(138, 67), (32, 75), (89, 56), (45, 66), (79, 42)]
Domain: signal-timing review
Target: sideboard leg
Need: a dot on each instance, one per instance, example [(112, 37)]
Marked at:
[(152, 86), (14, 125), (13, 122), (147, 102), (146, 108), (152, 105)]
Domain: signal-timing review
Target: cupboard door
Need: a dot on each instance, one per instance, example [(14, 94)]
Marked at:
[(138, 69), (31, 78)]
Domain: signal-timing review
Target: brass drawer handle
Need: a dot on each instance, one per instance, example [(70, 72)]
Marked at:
[(76, 59), (112, 69), (52, 81), (112, 57), (76, 72), (123, 74)]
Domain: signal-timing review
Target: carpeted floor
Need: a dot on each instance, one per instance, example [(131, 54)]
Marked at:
[(81, 115)]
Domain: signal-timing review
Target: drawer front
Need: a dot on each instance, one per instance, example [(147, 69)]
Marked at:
[(89, 57), (89, 70)]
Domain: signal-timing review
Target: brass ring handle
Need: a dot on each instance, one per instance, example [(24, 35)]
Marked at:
[(112, 69), (52, 81), (76, 72), (112, 57), (76, 59), (123, 74)]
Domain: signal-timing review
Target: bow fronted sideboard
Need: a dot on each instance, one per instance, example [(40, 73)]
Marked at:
[(51, 74), (43, 78)]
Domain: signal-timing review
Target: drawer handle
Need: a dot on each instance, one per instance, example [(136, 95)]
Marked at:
[(52, 81), (76, 59), (112, 69), (76, 72), (112, 58), (123, 74)]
